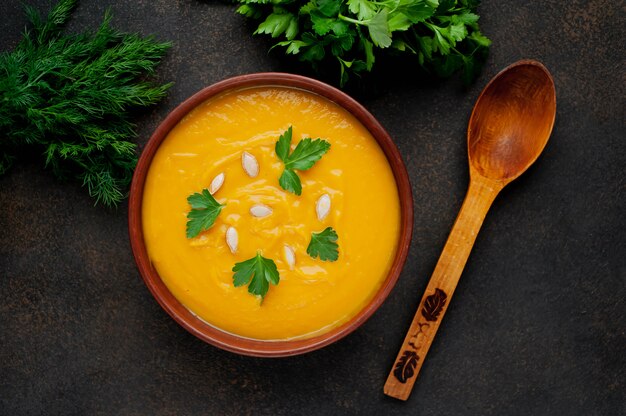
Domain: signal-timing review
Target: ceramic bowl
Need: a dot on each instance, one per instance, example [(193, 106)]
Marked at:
[(214, 335)]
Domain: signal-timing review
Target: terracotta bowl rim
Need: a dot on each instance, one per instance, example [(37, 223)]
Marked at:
[(209, 333)]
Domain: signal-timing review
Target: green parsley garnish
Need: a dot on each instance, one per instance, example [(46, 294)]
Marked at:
[(257, 272), (204, 212), (352, 34), (324, 245), (303, 157)]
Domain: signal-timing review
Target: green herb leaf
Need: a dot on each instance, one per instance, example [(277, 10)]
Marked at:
[(278, 23), (324, 245), (458, 32), (293, 46), (283, 145), (307, 8), (341, 28), (399, 22), (364, 9), (290, 182), (467, 18), (329, 8), (440, 40), (306, 153), (480, 39), (250, 10), (321, 24), (303, 157), (203, 214), (313, 51), (257, 272), (417, 11), (445, 5), (369, 53), (379, 29)]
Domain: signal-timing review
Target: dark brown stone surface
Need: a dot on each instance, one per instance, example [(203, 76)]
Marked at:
[(536, 325)]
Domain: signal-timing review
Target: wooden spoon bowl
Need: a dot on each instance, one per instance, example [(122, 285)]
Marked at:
[(505, 134)]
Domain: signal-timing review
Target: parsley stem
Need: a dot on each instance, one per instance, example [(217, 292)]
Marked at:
[(349, 19)]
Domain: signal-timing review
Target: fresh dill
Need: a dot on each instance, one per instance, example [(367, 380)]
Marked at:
[(68, 97)]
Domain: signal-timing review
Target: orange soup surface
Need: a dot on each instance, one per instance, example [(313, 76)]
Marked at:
[(313, 296)]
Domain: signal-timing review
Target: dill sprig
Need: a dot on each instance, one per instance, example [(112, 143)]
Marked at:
[(68, 97)]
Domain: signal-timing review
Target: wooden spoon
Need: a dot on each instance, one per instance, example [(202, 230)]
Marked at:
[(508, 129)]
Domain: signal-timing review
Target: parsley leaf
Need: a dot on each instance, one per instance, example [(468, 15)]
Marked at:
[(257, 272), (329, 8), (290, 181), (399, 22), (324, 245), (278, 23), (283, 145), (379, 29), (306, 153), (303, 157), (364, 9), (321, 24), (204, 212)]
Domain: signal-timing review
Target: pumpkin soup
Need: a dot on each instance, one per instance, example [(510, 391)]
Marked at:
[(227, 148)]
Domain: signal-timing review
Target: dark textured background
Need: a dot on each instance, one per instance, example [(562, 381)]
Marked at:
[(536, 327)]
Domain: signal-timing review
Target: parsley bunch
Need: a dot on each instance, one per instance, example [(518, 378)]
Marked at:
[(68, 98), (442, 34)]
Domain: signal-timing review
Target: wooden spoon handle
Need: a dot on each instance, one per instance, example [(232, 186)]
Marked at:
[(435, 301)]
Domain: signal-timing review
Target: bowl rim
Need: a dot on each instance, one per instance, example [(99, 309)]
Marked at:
[(200, 328)]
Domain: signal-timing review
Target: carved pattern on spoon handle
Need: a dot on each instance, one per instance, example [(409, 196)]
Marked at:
[(432, 306)]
